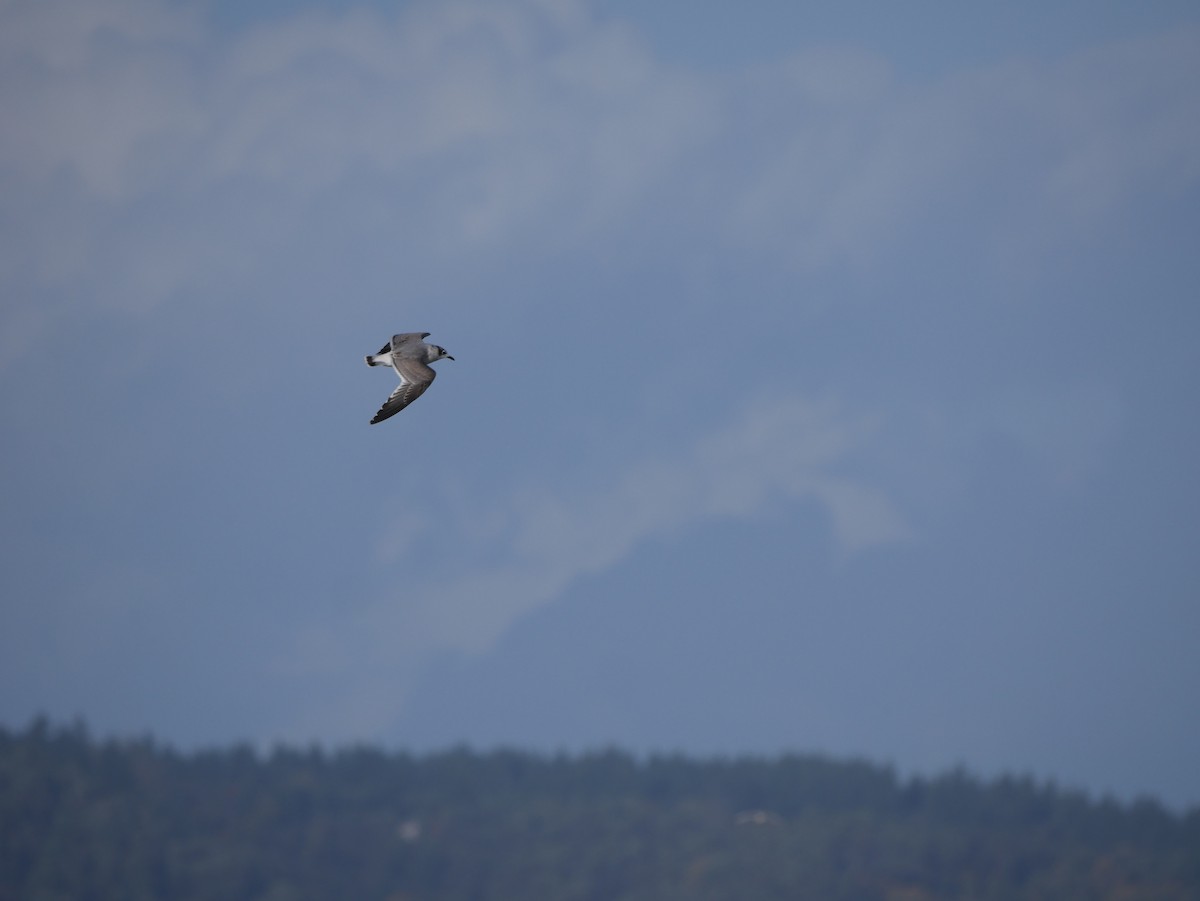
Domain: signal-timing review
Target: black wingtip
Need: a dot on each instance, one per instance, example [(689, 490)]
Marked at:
[(382, 415)]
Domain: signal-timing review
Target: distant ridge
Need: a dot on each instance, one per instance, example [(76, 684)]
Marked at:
[(134, 819)]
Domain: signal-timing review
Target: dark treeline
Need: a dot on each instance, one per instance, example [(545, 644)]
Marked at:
[(82, 819)]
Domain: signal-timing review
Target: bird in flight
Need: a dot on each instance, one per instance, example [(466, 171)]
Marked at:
[(410, 356)]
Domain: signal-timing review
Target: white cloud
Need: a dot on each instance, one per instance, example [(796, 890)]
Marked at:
[(1021, 155), (532, 124), (146, 153), (541, 541), (95, 89)]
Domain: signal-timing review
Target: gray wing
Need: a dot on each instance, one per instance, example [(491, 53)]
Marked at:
[(415, 377), (405, 338), (397, 340)]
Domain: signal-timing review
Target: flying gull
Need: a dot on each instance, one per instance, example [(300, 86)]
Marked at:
[(410, 356)]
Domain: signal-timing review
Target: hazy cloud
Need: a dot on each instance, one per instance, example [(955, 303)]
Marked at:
[(532, 113), (784, 450)]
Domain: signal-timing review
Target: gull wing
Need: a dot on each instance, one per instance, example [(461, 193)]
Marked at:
[(404, 338), (415, 377)]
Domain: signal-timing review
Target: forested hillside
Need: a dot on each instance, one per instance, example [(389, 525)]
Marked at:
[(82, 819)]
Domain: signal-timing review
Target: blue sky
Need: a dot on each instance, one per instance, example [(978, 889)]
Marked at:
[(823, 382)]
